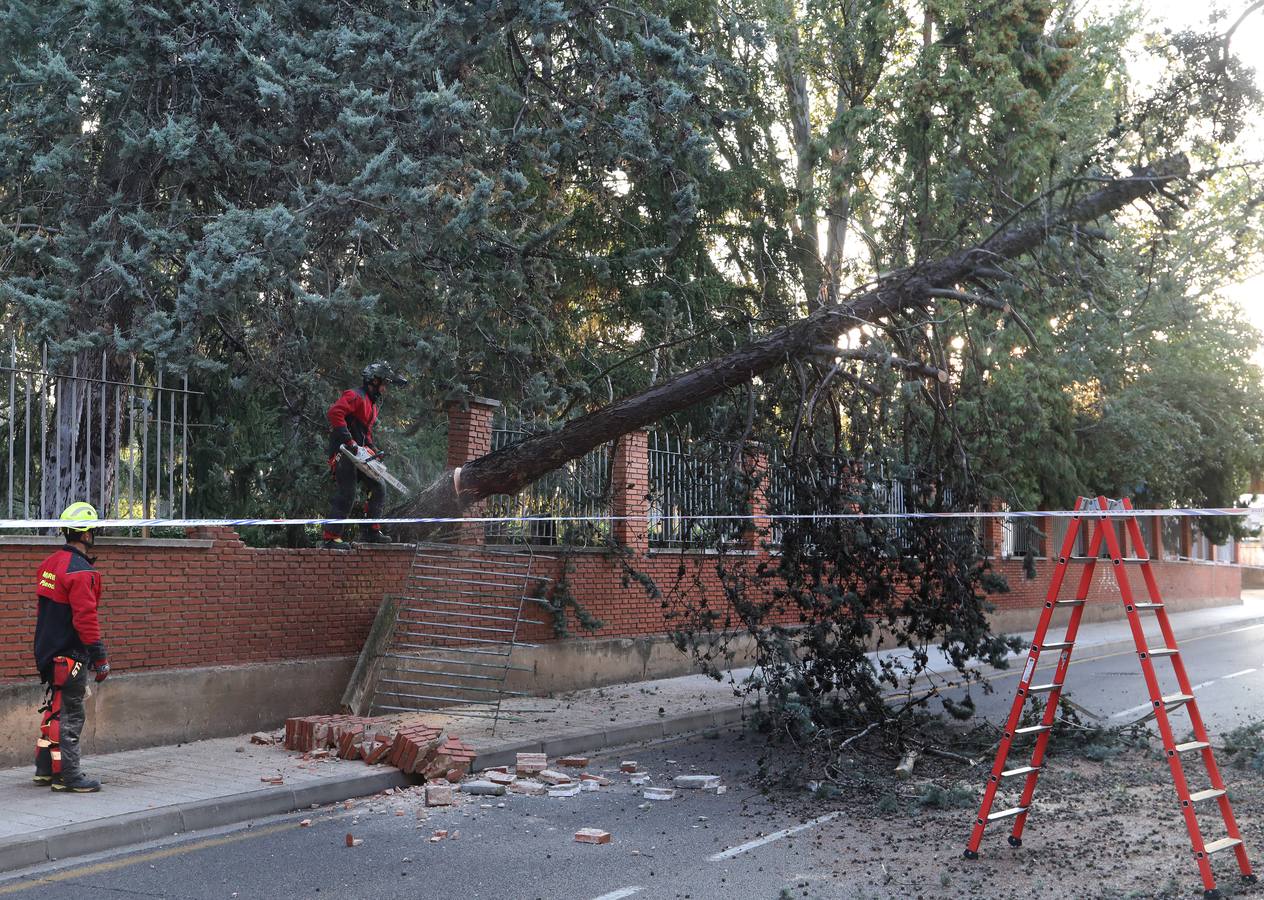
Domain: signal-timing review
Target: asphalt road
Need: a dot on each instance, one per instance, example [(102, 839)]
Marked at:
[(735, 845), (1226, 671)]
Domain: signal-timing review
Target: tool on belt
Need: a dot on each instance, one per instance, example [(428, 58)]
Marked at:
[(48, 746)]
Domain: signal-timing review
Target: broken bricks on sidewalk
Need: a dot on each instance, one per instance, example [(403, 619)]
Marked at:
[(443, 765)]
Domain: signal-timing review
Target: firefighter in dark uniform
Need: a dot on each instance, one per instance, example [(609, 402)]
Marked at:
[(351, 421), (67, 644)]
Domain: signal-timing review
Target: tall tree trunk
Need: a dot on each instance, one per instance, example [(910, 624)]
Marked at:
[(795, 82), (82, 441), (509, 470)]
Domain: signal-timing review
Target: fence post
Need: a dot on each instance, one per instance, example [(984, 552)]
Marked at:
[(755, 466), (630, 491), (993, 530), (469, 437)]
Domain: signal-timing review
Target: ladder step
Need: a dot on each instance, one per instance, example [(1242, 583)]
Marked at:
[(1057, 645), (1069, 603), (1127, 559), (1021, 770), (1210, 794), (1175, 701), (1032, 729), (1222, 844), (1147, 606), (1041, 688), (1164, 651), (1191, 746), (1006, 813)]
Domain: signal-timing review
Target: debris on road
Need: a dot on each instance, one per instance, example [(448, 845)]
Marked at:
[(599, 780), (483, 788), (592, 836), (353, 841), (530, 763), (659, 793), (306, 823), (574, 762), (440, 795), (549, 776), (696, 782), (628, 765), (564, 790), (905, 768), (529, 788), (272, 779), (260, 738)]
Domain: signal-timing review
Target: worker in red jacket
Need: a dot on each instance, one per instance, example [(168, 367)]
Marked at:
[(67, 644), (351, 421)]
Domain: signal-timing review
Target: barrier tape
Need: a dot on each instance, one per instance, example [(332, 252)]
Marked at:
[(11, 524)]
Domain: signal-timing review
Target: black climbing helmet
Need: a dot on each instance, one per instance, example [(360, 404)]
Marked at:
[(382, 369)]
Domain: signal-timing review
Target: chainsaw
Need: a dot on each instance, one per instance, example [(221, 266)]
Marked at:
[(370, 463)]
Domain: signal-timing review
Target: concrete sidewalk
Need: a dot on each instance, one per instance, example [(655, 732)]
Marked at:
[(161, 791)]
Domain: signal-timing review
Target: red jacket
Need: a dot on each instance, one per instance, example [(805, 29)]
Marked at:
[(68, 590), (351, 418)]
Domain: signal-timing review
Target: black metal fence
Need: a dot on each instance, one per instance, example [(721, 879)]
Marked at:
[(568, 507), (112, 432), (692, 489)]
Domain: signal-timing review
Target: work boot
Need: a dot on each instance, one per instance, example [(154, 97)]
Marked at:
[(335, 544), (376, 536), (77, 783), (43, 768)]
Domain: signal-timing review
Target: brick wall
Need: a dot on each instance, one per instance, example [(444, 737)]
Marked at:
[(228, 604), (223, 604)]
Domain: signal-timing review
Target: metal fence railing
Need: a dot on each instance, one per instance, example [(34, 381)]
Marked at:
[(1020, 535), (547, 511), (1171, 536), (689, 490), (118, 441), (830, 485)]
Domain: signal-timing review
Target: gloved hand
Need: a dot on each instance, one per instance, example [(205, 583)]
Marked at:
[(102, 668)]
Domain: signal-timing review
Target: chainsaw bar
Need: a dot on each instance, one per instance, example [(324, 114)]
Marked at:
[(373, 467)]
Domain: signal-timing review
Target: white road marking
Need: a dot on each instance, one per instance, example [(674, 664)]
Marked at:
[(769, 838), (1130, 710), (1197, 687), (1237, 674), (621, 893)]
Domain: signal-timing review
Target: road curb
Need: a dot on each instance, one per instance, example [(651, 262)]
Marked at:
[(1182, 635), (133, 828)]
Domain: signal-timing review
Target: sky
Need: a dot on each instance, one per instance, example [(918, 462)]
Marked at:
[(1176, 14)]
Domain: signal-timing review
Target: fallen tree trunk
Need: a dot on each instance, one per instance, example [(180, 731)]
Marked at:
[(513, 468)]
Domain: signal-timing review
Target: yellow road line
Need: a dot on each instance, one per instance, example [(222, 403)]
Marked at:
[(166, 853)]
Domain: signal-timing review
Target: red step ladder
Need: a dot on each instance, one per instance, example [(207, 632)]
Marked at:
[(1104, 530)]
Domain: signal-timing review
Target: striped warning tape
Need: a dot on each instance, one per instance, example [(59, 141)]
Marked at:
[(11, 524)]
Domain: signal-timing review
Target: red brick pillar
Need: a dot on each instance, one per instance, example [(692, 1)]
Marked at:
[(630, 491), (992, 531), (755, 463), (469, 437)]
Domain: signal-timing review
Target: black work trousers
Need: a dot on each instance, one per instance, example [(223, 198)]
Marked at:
[(66, 725), (345, 477)]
